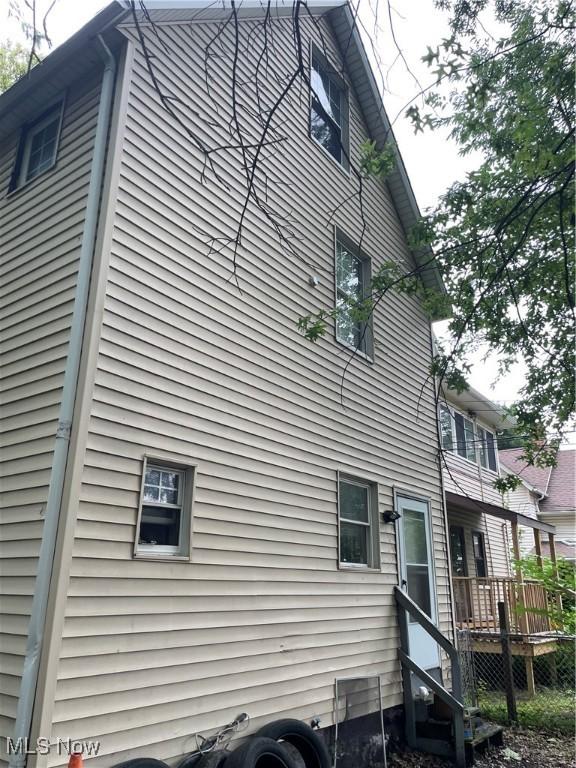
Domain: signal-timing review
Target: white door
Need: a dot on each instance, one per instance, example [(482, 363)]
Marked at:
[(417, 574)]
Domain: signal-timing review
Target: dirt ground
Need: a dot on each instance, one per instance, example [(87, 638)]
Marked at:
[(522, 748)]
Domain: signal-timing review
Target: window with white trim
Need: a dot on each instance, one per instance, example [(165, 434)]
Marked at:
[(38, 147), (462, 435), (328, 109), (358, 523), (352, 287), (164, 520)]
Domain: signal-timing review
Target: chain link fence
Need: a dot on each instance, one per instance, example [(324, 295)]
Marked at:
[(539, 692)]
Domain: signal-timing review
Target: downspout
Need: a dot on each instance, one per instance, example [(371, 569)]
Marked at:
[(36, 626)]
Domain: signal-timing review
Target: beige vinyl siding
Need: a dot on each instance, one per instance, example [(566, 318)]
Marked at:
[(41, 228), (261, 620)]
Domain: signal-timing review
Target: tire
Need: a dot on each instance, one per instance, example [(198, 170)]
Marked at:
[(309, 744), (190, 761), (142, 762), (215, 759), (260, 752)]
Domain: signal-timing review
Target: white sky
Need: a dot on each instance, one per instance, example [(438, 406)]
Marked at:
[(431, 159)]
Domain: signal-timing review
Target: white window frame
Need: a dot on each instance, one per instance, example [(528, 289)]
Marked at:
[(373, 524), (344, 127), (366, 349), (479, 444), (187, 474), (53, 114)]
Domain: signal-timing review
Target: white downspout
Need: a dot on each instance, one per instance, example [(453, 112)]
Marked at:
[(36, 627)]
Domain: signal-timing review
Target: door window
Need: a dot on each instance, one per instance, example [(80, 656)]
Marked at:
[(417, 561)]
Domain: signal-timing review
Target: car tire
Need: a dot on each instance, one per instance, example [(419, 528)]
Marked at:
[(307, 742), (142, 762), (215, 759), (260, 752)]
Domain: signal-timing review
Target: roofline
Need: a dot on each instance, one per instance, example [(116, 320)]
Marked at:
[(509, 471), (105, 18), (400, 166)]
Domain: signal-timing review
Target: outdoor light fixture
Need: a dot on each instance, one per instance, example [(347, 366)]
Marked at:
[(390, 515)]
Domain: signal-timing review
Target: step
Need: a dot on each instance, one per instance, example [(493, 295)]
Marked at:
[(485, 736)]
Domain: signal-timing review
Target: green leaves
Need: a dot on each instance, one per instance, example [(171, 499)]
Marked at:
[(503, 235), (377, 163)]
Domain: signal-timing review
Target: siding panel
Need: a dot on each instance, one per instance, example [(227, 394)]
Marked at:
[(41, 229), (261, 620)]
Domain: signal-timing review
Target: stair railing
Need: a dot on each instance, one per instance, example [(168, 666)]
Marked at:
[(407, 607)]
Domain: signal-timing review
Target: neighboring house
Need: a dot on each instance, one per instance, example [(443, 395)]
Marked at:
[(486, 530), (551, 492), (194, 525)]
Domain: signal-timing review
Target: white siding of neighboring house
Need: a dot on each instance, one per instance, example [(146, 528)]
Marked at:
[(525, 502), (41, 228), (261, 620)]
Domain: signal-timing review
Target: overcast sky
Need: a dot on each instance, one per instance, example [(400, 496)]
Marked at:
[(431, 159)]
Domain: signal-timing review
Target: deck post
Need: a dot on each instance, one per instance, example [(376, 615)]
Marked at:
[(538, 547), (552, 541), (522, 615), (530, 684), (507, 662)]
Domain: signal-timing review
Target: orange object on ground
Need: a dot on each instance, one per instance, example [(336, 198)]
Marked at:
[(76, 760)]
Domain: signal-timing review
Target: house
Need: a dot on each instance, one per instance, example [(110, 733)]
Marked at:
[(486, 529), (195, 525), (551, 493)]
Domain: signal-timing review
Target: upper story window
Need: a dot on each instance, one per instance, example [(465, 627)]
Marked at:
[(329, 109), (352, 287), (358, 523), (462, 435), (165, 510), (38, 147)]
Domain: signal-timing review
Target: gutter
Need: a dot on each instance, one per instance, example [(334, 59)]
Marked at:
[(29, 680)]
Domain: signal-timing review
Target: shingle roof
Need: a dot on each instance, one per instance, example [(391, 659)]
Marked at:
[(558, 483), (561, 493), (538, 477)]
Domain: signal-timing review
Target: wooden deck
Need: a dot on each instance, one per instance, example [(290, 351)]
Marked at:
[(476, 602)]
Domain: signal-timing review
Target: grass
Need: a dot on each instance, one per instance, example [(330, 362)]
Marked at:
[(550, 710)]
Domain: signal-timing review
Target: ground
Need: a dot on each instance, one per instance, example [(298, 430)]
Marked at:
[(523, 748)]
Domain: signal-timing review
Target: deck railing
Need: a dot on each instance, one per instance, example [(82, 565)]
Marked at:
[(476, 602)]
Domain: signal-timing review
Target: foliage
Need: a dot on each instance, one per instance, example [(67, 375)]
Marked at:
[(377, 163), (557, 581), (13, 63), (504, 236), (551, 710), (509, 438)]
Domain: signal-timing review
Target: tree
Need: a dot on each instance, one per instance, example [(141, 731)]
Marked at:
[(13, 63), (504, 237)]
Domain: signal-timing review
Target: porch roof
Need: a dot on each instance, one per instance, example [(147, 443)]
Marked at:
[(467, 504)]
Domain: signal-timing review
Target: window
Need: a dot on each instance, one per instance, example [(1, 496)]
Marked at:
[(358, 523), (479, 553), (458, 551), (328, 109), (462, 435), (446, 428), (38, 147), (165, 510), (352, 281)]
